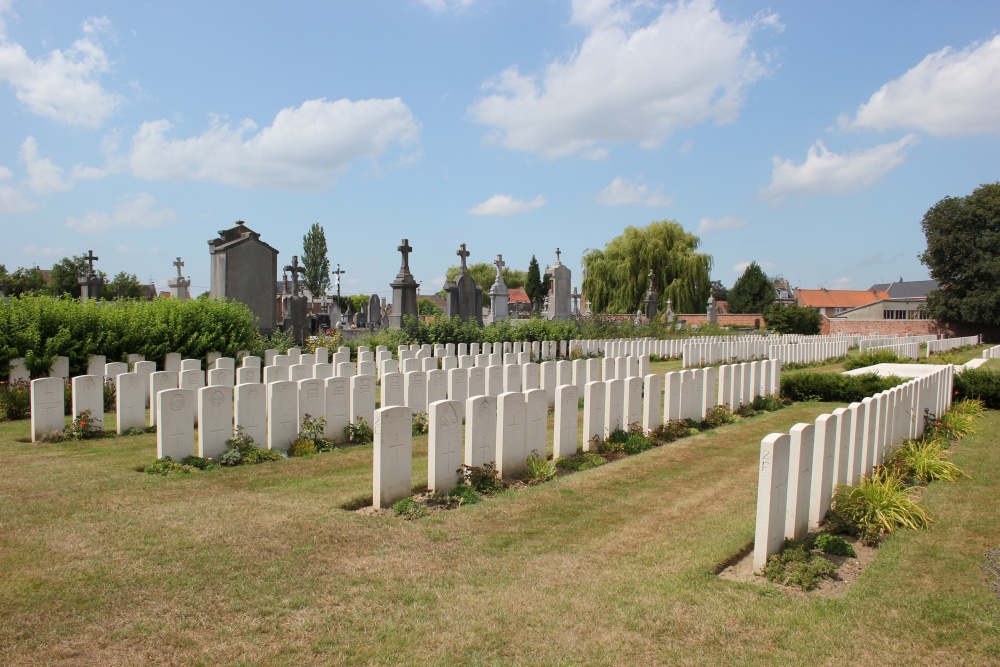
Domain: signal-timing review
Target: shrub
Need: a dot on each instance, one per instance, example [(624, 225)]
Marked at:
[(167, 466), (359, 432), (961, 419), (540, 469), (82, 427), (15, 399), (669, 431), (409, 509), (835, 545), (135, 430), (485, 478), (797, 565), (872, 357), (636, 443), (313, 432), (718, 416), (581, 461), (464, 495), (834, 387), (420, 423), (302, 447), (199, 463), (110, 395), (878, 506), (979, 383), (243, 451), (925, 460)]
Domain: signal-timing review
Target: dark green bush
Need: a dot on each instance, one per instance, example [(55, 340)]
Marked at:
[(834, 387), (485, 478), (872, 357), (409, 509), (979, 383), (199, 463), (464, 494), (359, 432)]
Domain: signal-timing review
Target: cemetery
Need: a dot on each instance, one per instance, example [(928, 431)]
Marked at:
[(198, 469)]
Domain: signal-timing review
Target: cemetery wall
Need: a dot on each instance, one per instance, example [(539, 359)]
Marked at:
[(887, 327), (741, 320)]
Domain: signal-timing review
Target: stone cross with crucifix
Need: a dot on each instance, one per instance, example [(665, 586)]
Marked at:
[(463, 253), (558, 252), (179, 264), (91, 258), (295, 269)]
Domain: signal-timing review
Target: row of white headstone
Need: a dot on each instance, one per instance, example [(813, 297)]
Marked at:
[(902, 350), (799, 470), (617, 404), (809, 352), (882, 341), (945, 344), (992, 353)]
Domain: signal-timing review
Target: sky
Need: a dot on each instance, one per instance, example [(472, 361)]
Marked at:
[(810, 137)]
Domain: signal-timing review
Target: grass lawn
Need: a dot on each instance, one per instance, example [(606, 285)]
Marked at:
[(102, 565)]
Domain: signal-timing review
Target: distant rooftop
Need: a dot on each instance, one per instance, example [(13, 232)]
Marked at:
[(912, 289)]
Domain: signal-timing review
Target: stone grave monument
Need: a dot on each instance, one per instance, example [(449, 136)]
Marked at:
[(179, 284), (465, 297), (296, 319), (375, 311), (244, 269), (499, 296), (650, 303), (404, 290), (90, 284), (558, 307)]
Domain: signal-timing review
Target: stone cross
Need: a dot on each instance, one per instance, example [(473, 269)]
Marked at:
[(500, 264), (463, 253), (91, 258), (576, 301), (179, 264), (406, 250), (558, 252), (295, 269), (338, 273)]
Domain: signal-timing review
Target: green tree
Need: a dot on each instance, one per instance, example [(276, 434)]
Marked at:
[(534, 286), (792, 319), (66, 274), (615, 279), (963, 255), (123, 286), (719, 291), (4, 279), (26, 281), (428, 308), (752, 292), (315, 261), (514, 278)]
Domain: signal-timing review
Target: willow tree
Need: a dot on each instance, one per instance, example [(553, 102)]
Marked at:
[(615, 279)]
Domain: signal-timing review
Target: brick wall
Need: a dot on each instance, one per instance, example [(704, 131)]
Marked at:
[(888, 327), (742, 320)]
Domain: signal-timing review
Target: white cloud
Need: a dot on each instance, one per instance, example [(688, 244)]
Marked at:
[(136, 212), (622, 191), (47, 251), (63, 85), (844, 282), (742, 266), (825, 172), (44, 177), (949, 93), (11, 201), (627, 82), (303, 149), (444, 5), (437, 281), (708, 225), (506, 205)]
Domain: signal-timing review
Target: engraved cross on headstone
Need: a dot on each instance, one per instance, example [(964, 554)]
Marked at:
[(179, 264), (405, 249), (463, 253), (295, 269)]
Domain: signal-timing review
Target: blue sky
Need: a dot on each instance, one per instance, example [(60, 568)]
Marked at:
[(810, 137)]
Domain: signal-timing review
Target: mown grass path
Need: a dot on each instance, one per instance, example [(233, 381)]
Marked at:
[(101, 565)]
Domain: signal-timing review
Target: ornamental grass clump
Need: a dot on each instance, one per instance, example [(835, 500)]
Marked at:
[(877, 507), (925, 461), (540, 469)]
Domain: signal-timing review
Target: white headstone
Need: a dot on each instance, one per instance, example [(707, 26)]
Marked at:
[(594, 397), (511, 452), (88, 394), (130, 401), (772, 492), (565, 424), (248, 375), (393, 452), (652, 397), (338, 408), (444, 445), (824, 450), (250, 406), (215, 420), (480, 430), (175, 423), (160, 381), (536, 414), (614, 407), (392, 390), (48, 407), (282, 424), (311, 399), (363, 398), (800, 459)]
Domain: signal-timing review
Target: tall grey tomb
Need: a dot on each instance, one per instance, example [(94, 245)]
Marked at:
[(245, 269), (404, 290), (559, 292)]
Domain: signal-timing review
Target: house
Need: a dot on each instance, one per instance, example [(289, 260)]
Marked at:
[(906, 301), (833, 302), (783, 293), (518, 303)]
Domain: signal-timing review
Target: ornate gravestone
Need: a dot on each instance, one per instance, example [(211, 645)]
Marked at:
[(558, 305), (713, 311), (375, 311), (404, 290), (576, 302), (499, 296), (179, 284), (650, 302), (90, 284), (296, 318), (465, 297)]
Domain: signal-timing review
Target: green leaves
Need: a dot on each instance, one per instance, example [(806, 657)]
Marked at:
[(752, 292), (315, 261)]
